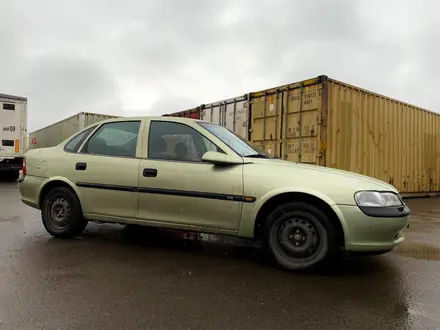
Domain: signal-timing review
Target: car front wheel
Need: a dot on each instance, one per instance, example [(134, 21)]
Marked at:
[(299, 236), (61, 213)]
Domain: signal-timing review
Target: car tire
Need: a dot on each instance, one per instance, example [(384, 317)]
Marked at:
[(299, 236), (61, 213)]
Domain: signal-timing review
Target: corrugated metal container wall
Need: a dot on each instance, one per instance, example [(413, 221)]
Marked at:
[(191, 113), (326, 122), (231, 113), (91, 118), (56, 133), (51, 135), (269, 129), (383, 138)]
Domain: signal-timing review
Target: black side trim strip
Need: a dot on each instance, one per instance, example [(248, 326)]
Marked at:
[(106, 186), (386, 212), (197, 194), (172, 192)]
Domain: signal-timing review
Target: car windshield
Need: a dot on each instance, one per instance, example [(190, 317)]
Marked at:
[(241, 146)]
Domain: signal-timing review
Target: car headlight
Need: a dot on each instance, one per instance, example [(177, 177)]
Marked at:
[(377, 199)]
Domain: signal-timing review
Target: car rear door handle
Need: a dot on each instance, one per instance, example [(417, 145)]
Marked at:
[(80, 166), (149, 172)]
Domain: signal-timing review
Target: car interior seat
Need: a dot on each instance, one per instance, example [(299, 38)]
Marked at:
[(181, 151), (158, 147), (97, 146)]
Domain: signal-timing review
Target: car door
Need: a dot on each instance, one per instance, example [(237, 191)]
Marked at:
[(176, 187), (105, 170)]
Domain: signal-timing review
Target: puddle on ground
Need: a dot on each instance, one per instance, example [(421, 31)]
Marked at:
[(418, 251), (228, 245)]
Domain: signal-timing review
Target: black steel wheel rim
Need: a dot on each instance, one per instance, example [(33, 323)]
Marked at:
[(298, 237), (60, 212)]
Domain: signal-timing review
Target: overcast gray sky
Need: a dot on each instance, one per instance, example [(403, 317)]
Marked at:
[(160, 56)]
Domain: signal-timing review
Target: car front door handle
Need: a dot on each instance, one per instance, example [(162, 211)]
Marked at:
[(149, 172), (80, 166)]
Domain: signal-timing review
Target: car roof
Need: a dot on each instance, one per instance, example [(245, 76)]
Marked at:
[(158, 118)]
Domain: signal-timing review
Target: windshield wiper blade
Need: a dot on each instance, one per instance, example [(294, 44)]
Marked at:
[(256, 156)]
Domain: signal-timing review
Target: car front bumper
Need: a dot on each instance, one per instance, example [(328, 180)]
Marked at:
[(364, 233)]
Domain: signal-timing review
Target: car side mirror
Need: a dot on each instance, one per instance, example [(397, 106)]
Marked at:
[(219, 158)]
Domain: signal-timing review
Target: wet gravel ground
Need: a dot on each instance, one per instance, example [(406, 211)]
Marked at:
[(116, 278)]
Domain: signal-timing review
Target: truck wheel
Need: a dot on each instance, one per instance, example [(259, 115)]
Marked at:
[(299, 236), (61, 213)]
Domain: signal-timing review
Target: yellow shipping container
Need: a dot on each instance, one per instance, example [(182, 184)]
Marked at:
[(330, 123)]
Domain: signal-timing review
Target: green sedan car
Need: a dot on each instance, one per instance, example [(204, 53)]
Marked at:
[(198, 176)]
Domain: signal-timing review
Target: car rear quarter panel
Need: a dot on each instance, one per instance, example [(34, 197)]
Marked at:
[(32, 187), (60, 180), (44, 167)]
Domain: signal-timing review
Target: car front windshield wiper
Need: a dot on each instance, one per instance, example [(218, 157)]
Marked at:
[(256, 155)]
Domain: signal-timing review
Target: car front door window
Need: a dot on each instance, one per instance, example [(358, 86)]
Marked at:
[(178, 142)]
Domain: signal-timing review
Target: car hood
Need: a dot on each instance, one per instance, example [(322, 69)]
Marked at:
[(338, 185)]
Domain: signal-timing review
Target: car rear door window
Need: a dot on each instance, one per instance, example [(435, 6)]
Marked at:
[(75, 142), (114, 139)]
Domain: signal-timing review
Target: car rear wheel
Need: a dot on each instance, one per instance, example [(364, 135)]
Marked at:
[(299, 236), (61, 213)]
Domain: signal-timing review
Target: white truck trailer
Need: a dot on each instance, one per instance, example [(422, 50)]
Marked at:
[(13, 132)]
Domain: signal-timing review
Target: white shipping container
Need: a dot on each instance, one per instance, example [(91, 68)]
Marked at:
[(231, 113)]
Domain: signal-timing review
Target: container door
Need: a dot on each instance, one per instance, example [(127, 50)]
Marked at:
[(212, 113), (10, 128), (301, 129), (232, 114), (191, 113), (236, 118), (266, 122)]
